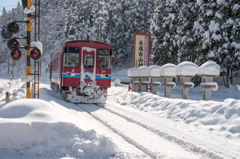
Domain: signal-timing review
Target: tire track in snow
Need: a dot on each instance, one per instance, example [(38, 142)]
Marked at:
[(147, 141), (114, 130)]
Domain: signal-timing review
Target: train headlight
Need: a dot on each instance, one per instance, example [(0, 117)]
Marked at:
[(71, 74)]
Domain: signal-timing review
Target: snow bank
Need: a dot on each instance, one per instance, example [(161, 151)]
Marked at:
[(223, 118), (37, 127), (186, 68), (168, 70), (209, 68)]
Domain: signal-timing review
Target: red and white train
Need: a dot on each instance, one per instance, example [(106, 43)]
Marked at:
[(81, 71)]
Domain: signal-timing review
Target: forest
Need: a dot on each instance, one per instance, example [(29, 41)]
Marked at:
[(192, 30)]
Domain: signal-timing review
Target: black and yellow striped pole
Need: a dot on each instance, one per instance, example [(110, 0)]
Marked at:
[(28, 68)]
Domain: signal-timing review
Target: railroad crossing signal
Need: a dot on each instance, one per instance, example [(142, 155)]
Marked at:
[(13, 44), (35, 53), (16, 54), (7, 32)]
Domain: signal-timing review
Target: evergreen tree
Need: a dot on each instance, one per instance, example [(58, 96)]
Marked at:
[(188, 41), (163, 29), (228, 47)]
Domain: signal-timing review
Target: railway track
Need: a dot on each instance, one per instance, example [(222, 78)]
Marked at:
[(152, 141)]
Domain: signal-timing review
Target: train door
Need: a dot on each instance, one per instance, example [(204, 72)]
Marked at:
[(88, 64)]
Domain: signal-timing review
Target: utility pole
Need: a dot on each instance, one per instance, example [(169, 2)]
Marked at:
[(37, 63), (28, 67)]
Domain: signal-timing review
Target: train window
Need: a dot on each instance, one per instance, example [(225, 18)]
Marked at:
[(88, 60), (104, 58), (71, 57)]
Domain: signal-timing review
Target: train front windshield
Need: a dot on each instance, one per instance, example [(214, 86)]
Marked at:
[(104, 59), (71, 57)]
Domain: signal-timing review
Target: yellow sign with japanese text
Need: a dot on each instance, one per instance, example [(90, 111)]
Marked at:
[(141, 50)]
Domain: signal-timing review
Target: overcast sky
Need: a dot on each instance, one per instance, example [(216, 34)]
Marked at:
[(8, 4)]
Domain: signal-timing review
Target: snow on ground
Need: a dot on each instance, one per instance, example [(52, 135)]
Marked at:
[(37, 127), (221, 115), (8, 85), (52, 128)]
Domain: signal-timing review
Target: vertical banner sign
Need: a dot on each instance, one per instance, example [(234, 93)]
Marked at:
[(141, 48)]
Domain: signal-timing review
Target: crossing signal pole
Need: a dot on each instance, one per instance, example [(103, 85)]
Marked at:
[(34, 50)]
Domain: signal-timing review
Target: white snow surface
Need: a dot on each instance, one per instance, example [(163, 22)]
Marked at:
[(186, 68), (154, 71), (214, 85), (143, 71), (33, 127), (39, 45), (132, 72), (7, 85), (168, 70), (209, 68), (29, 10), (52, 128)]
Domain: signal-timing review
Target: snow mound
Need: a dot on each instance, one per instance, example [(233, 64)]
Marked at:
[(117, 82), (222, 118), (209, 68), (186, 68), (168, 70), (37, 127), (154, 71)]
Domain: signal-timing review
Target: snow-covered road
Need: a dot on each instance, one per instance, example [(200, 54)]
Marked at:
[(147, 141), (124, 127)]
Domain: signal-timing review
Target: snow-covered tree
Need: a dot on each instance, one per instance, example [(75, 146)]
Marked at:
[(225, 37), (187, 38), (164, 29)]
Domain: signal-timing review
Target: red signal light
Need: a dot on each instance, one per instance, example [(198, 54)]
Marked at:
[(16, 54), (35, 53)]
